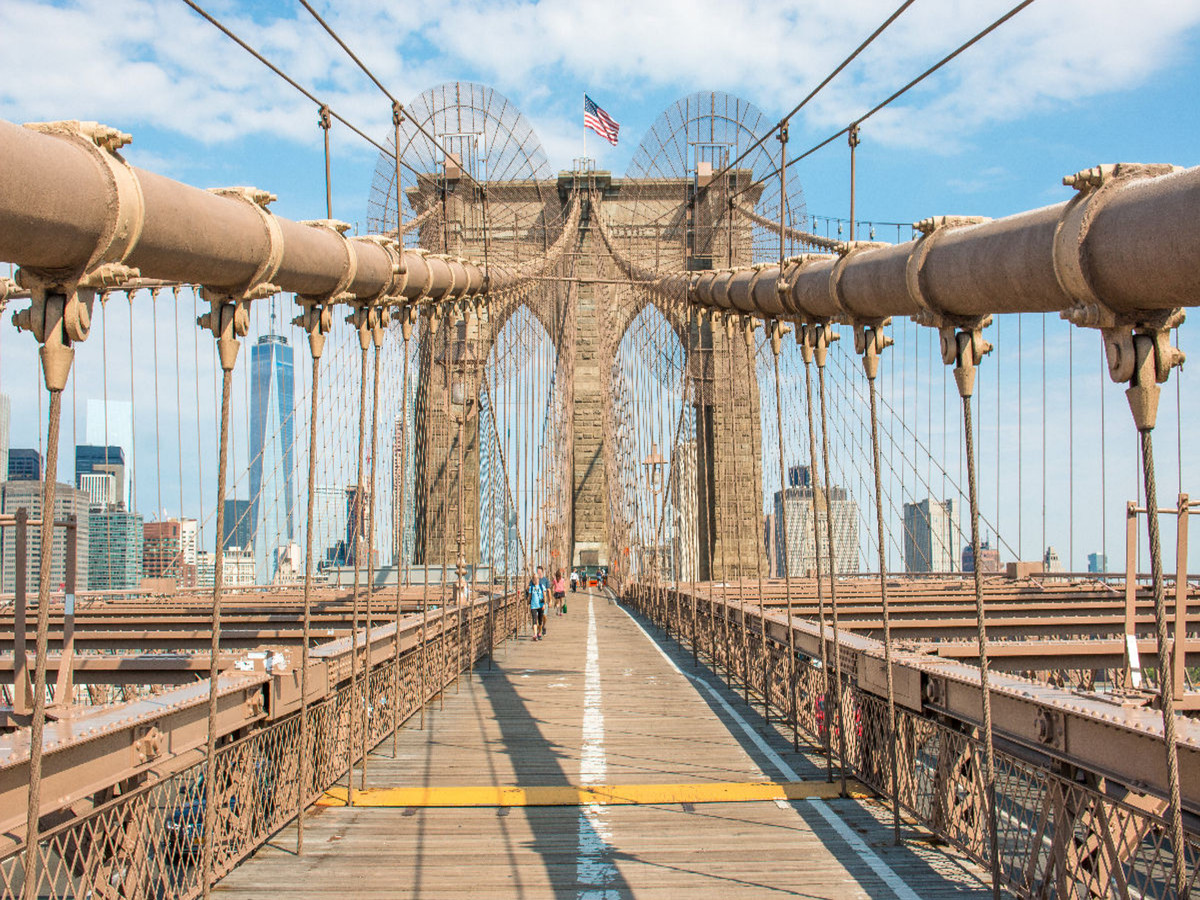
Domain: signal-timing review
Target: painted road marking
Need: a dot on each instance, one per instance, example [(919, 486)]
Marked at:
[(598, 795), (594, 869), (873, 861)]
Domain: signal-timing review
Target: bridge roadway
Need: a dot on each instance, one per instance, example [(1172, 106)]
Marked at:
[(598, 702)]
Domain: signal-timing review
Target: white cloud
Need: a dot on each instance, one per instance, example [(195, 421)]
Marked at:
[(155, 61)]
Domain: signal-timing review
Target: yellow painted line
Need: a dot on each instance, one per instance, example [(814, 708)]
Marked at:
[(603, 795)]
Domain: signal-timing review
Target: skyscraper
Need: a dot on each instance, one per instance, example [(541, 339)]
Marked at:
[(101, 460), (114, 560), (931, 536), (24, 465), (101, 488), (237, 525), (358, 501), (273, 497), (169, 551), (67, 501), (989, 558), (797, 556), (109, 424)]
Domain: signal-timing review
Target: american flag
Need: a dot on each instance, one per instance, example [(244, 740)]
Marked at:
[(599, 121)]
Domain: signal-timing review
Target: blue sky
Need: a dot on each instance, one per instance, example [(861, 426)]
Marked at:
[(1065, 85), (1060, 87)]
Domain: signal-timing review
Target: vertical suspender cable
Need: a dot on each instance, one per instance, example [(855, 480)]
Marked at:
[(377, 332), (793, 700), (424, 354), (821, 349), (316, 343), (1143, 395), (132, 418), (967, 358), (210, 751), (1166, 686), (875, 341), (812, 456), (356, 510), (736, 497), (401, 525), (38, 720)]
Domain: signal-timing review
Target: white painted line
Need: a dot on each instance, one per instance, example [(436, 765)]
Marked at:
[(594, 869), (877, 865), (593, 764), (857, 844), (763, 747)]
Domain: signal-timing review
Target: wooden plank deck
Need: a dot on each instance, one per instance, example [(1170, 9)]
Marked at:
[(598, 702)]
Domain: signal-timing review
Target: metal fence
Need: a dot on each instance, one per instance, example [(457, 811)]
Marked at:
[(1057, 837), (147, 842)]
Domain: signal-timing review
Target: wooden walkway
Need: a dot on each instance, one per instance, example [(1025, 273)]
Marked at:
[(598, 702)]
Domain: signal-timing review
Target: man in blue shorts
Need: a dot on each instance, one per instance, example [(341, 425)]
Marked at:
[(538, 588)]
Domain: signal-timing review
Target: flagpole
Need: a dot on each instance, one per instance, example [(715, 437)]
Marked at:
[(585, 129)]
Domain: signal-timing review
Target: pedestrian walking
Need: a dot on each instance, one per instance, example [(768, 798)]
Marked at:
[(537, 593), (558, 587), (574, 580), (545, 583)]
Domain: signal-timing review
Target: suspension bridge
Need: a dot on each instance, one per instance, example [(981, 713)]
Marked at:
[(786, 463)]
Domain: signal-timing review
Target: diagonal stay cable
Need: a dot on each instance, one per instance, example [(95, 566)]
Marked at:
[(813, 93), (379, 84), (962, 48), (299, 87)]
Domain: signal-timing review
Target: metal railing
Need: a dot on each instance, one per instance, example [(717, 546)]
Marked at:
[(1058, 837), (147, 842)]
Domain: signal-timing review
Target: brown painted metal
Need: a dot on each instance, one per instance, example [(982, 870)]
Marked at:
[(56, 202), (1140, 249), (1094, 733), (96, 748), (1083, 837)]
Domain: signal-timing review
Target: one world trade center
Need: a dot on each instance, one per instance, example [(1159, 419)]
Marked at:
[(272, 498)]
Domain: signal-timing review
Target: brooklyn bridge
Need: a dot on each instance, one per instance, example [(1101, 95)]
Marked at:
[(793, 467)]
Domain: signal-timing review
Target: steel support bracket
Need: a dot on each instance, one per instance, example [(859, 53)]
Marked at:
[(776, 329), (870, 341), (228, 317), (1072, 269), (964, 348), (59, 314), (408, 317), (814, 339), (1151, 359), (316, 318), (749, 324)]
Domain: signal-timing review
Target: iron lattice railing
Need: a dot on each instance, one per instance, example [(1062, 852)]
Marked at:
[(147, 842), (1057, 837)]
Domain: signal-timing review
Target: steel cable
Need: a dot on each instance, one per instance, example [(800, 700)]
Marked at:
[(1165, 681), (984, 672), (210, 750), (887, 622), (837, 658)]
